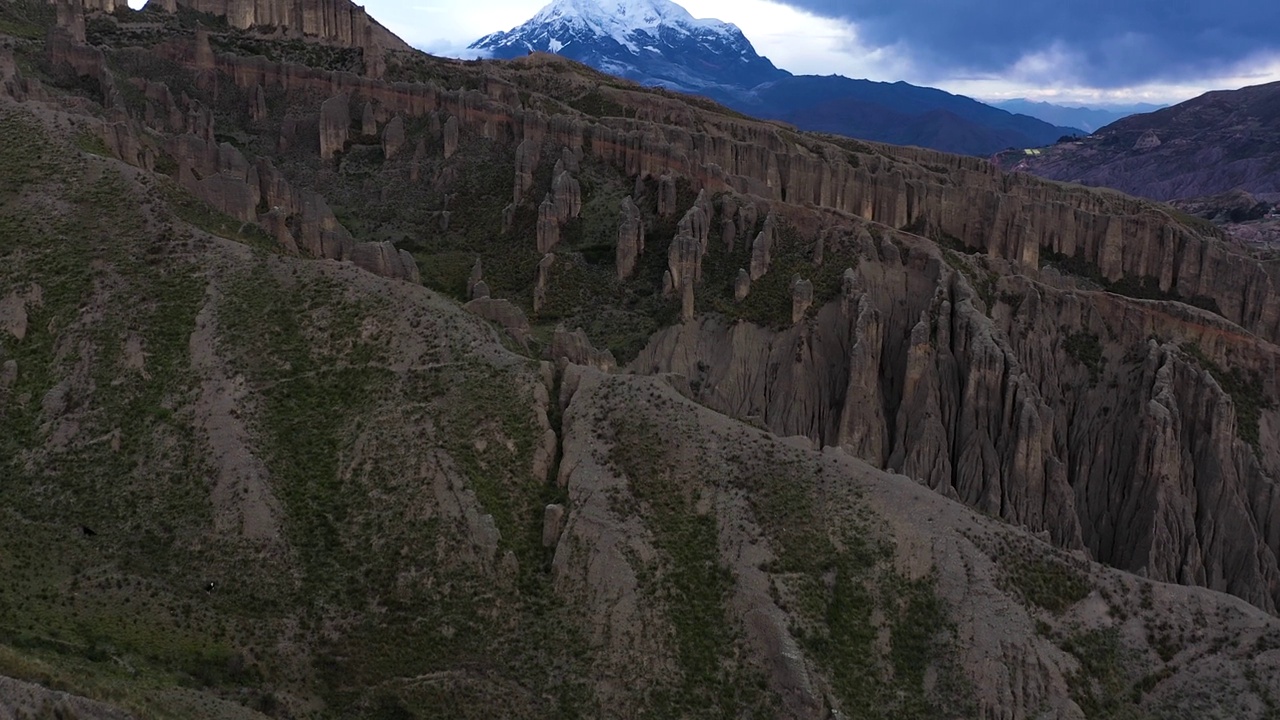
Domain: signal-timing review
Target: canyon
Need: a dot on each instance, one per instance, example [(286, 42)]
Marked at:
[(681, 388)]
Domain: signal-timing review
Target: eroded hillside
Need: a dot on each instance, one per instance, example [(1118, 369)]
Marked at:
[(1220, 142), (242, 478)]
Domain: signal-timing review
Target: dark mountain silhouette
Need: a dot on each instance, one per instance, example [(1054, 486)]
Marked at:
[(1088, 119), (1220, 141)]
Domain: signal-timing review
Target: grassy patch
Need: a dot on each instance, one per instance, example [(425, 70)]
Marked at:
[(92, 143), (1247, 392), (1140, 288), (836, 580), (597, 104), (1048, 583), (26, 19), (769, 302), (1041, 576), (1102, 686), (692, 584), (298, 52), (1087, 350), (1197, 225), (200, 214)]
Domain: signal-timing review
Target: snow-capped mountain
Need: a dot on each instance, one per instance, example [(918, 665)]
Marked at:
[(654, 42), (657, 42)]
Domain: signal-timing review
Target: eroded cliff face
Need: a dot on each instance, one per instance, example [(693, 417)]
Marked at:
[(1122, 240), (309, 489), (336, 21), (1100, 421), (1141, 430), (753, 494), (339, 22)]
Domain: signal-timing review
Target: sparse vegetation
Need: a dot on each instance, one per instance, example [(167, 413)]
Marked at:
[(1104, 685), (1246, 390), (199, 214), (1195, 224), (982, 280), (1141, 288), (1087, 350), (842, 595), (26, 19)]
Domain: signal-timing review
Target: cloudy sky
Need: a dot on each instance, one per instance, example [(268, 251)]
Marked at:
[(1087, 51)]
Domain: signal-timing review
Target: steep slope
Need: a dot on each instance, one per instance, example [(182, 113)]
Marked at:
[(406, 511), (1220, 141), (288, 487), (658, 43)]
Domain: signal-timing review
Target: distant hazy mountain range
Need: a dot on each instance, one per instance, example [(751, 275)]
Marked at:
[(657, 42), (1221, 141), (1086, 118)]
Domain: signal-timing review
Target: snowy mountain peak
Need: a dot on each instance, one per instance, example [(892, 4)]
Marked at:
[(656, 42), (621, 16)]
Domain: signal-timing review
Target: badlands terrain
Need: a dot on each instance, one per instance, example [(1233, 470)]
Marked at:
[(339, 380)]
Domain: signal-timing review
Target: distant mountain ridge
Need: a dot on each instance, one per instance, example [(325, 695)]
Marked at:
[(1221, 141), (659, 43), (1088, 119)]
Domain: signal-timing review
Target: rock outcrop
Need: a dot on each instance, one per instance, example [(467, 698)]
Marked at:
[(526, 164), (451, 136), (548, 228), (393, 138), (338, 22), (576, 347), (14, 311), (552, 525), (1011, 415), (475, 278), (966, 199), (382, 258), (1008, 216), (762, 248), (503, 313), (335, 124), (542, 282), (630, 239), (684, 262), (742, 285), (801, 298), (566, 193)]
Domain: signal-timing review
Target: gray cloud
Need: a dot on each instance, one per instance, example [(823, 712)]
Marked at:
[(1105, 43)]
